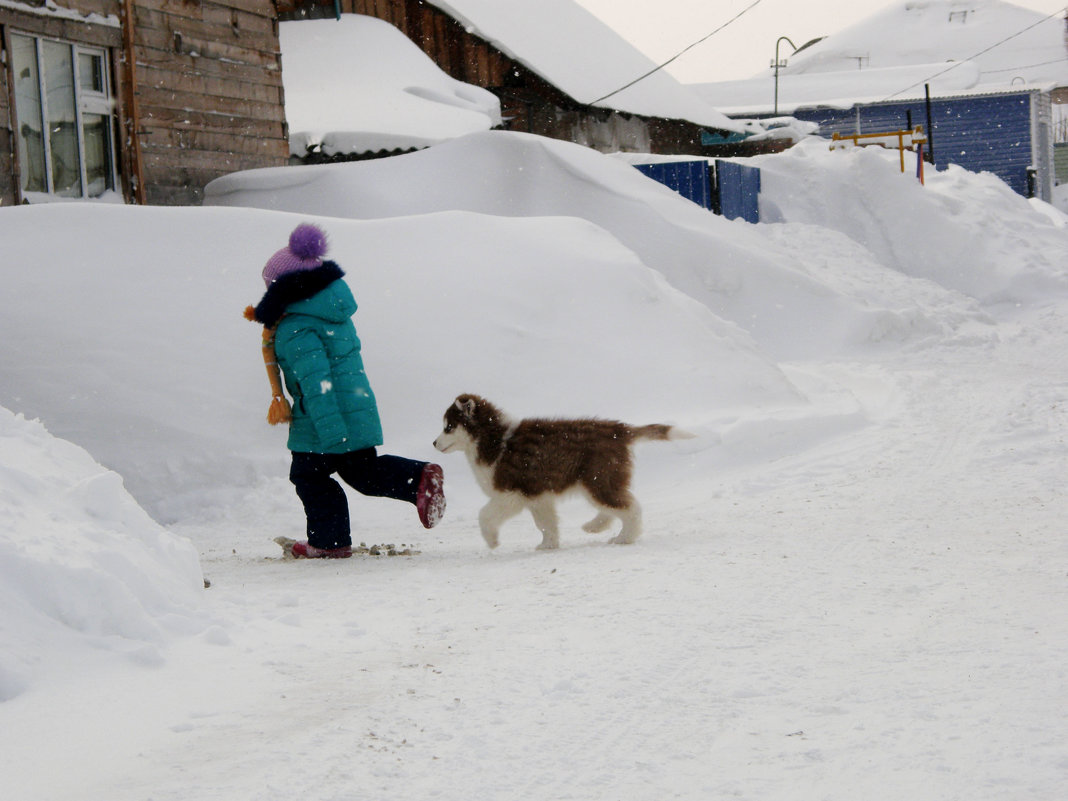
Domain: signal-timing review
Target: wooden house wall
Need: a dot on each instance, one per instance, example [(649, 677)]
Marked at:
[(204, 92), (209, 97), (8, 177)]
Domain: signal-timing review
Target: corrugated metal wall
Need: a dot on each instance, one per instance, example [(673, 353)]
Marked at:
[(734, 190), (985, 133), (691, 179), (738, 186)]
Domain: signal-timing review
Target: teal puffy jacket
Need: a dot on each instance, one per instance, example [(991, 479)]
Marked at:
[(334, 409)]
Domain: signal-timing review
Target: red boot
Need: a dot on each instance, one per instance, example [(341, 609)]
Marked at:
[(302, 550), (430, 498)]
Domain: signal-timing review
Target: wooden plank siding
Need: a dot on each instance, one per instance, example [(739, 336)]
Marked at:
[(8, 172), (206, 88), (209, 93)]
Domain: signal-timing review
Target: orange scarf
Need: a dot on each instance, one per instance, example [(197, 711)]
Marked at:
[(280, 411)]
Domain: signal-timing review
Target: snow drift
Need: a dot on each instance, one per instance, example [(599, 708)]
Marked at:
[(82, 564), (358, 84), (161, 379), (761, 283), (848, 585)]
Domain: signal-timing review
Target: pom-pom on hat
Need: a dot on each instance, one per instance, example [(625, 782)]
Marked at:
[(307, 246)]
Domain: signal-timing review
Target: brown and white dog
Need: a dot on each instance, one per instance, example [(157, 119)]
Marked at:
[(529, 464)]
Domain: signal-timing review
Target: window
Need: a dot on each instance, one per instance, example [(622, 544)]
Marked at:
[(290, 10), (63, 110)]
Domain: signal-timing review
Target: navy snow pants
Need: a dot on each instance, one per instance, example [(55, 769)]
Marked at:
[(325, 503)]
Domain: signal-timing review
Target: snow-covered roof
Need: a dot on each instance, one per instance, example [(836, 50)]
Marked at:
[(359, 85), (956, 46), (573, 50)]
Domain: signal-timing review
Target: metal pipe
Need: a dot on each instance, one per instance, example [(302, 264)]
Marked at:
[(129, 90), (930, 126), (777, 64)]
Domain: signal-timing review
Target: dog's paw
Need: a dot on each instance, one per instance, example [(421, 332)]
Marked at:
[(598, 524), (620, 539), (548, 546), (491, 538)]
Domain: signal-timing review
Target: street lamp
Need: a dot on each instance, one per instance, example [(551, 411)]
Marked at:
[(776, 64)]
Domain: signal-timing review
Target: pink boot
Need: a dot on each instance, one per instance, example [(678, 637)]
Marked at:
[(430, 498), (302, 550)]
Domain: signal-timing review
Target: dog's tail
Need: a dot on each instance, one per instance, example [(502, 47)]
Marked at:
[(660, 431)]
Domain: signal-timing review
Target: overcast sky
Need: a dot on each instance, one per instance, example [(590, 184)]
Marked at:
[(661, 28)]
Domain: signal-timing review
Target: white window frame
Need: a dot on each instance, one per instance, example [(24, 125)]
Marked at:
[(86, 101)]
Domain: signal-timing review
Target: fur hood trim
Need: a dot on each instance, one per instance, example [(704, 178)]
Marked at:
[(293, 287)]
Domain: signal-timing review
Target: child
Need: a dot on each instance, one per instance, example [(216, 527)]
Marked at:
[(335, 426)]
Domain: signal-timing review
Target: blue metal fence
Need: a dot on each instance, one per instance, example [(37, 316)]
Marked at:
[(690, 179), (733, 192), (739, 189), (984, 133)]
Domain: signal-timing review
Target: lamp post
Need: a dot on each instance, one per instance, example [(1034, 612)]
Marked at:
[(776, 64)]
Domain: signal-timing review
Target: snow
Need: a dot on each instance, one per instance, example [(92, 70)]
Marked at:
[(1004, 41), (837, 89), (851, 583), (84, 566), (48, 8), (574, 51), (957, 48), (358, 84)]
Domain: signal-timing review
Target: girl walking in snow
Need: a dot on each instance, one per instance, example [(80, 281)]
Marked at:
[(334, 426)]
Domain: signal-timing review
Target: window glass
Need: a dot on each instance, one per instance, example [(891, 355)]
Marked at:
[(97, 145), (61, 114), (91, 72), (64, 117), (28, 113)]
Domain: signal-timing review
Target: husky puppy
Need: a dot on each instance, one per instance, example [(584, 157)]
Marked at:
[(529, 464)]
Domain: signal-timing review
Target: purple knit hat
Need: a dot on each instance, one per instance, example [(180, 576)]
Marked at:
[(307, 246)]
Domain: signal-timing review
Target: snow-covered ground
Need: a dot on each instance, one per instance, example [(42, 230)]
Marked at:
[(852, 582)]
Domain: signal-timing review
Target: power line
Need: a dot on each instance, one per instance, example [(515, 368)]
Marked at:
[(980, 53), (1027, 66), (685, 49)]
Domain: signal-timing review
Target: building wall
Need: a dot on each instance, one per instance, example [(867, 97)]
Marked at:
[(8, 177), (209, 97), (202, 96), (1060, 156)]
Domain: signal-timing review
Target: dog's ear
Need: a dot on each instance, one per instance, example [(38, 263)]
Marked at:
[(466, 407)]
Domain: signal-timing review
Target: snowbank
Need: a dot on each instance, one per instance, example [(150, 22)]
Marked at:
[(756, 278), (858, 562), (359, 85), (81, 564), (141, 355), (963, 231)]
